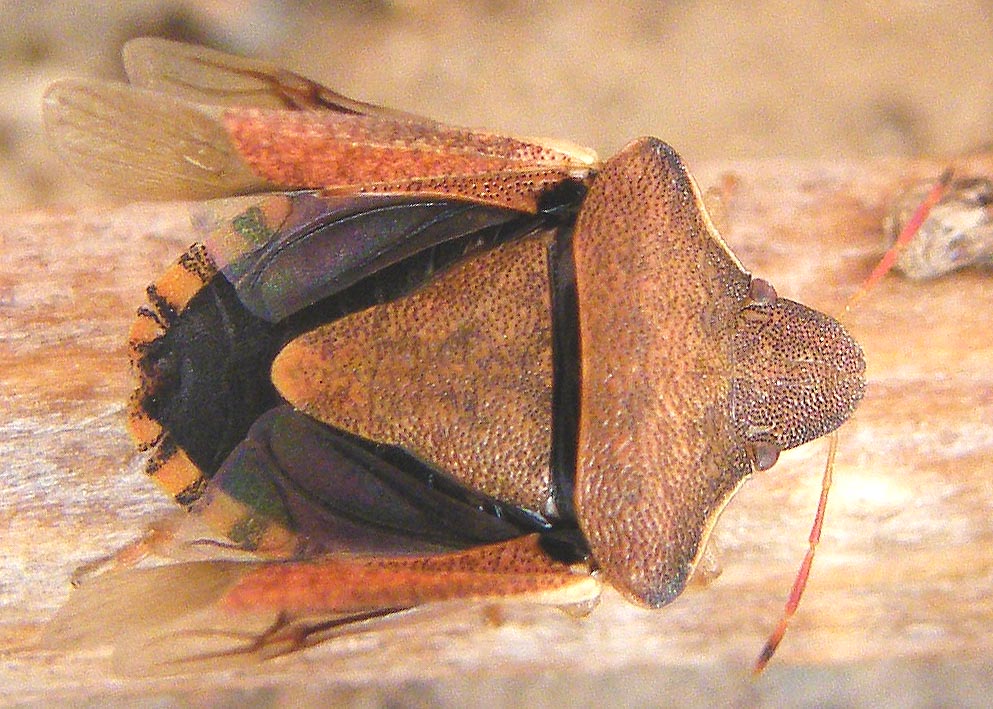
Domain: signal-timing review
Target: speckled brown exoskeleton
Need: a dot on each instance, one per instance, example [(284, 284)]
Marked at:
[(408, 362)]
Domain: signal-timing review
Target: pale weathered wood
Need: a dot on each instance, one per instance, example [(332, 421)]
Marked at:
[(905, 568)]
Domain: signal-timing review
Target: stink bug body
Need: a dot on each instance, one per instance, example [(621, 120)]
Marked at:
[(422, 362)]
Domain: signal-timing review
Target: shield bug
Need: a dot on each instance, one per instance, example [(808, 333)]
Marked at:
[(417, 362)]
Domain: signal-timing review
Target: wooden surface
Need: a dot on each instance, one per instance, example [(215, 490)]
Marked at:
[(899, 607)]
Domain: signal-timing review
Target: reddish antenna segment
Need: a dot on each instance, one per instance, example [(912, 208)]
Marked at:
[(882, 268), (800, 583), (910, 229)]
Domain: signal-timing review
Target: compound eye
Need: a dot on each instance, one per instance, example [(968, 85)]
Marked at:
[(762, 454), (762, 292)]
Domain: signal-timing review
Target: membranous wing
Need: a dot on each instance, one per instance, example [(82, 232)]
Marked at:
[(199, 124)]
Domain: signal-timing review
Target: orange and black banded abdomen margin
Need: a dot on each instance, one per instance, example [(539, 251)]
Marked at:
[(168, 297), (202, 364)]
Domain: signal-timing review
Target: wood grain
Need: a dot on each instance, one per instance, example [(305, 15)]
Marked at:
[(901, 584)]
